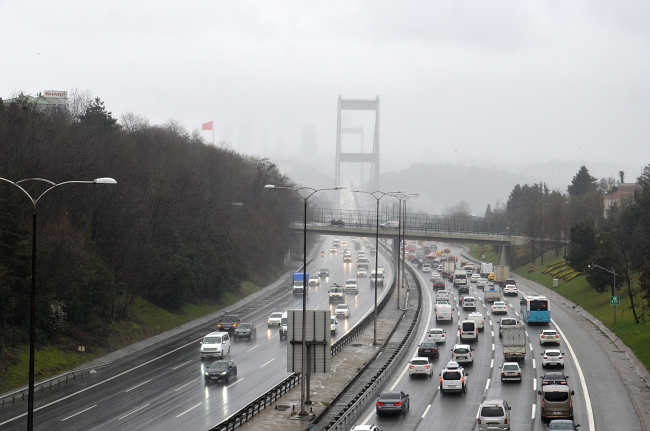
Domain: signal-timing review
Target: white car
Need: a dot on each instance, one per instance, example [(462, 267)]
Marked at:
[(474, 278), (420, 366), (436, 334), (426, 267), (362, 272), (314, 280), (549, 336), (478, 318), (510, 371), (462, 353), (351, 285), (510, 289), (499, 307), (275, 318), (469, 303), (439, 268), (442, 294), (481, 283), (453, 378), (365, 428), (342, 310), (552, 358), (435, 275)]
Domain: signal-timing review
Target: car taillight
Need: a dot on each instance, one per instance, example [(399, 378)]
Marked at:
[(505, 421), (479, 421), (559, 357), (398, 404), (427, 366), (410, 366), (543, 336), (557, 336), (441, 380), (545, 357), (518, 374), (503, 374), (380, 404), (462, 379)]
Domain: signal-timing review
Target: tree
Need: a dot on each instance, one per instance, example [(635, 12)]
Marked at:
[(97, 115), (621, 176), (582, 183)]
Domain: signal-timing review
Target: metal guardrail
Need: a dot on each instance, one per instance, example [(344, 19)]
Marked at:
[(351, 410), (247, 412), (21, 394)]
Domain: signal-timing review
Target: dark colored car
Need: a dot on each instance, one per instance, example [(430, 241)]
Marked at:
[(554, 378), (245, 330), (228, 322), (416, 261), (439, 284), (392, 402), (428, 349), (463, 289), (509, 281), (338, 222), (562, 425), (323, 272), (220, 371)]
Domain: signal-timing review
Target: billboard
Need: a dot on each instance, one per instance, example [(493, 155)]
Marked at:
[(318, 337), (56, 94)]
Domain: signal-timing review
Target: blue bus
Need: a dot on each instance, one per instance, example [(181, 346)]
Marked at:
[(535, 308)]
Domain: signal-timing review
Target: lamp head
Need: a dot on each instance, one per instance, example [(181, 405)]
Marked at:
[(270, 186), (104, 180)]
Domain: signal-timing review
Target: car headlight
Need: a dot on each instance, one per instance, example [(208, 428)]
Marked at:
[(224, 373), (207, 374)]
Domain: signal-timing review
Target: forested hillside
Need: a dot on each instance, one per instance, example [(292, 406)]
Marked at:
[(186, 221)]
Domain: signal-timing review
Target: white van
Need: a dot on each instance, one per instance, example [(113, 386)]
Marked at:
[(334, 325), (215, 345), (468, 331), (284, 325), (444, 312), (390, 225)]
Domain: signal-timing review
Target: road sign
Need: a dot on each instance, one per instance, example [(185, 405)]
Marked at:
[(614, 300)]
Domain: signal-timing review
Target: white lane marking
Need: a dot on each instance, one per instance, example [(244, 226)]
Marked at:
[(493, 347), (228, 387), (129, 414), (253, 348), (527, 336), (426, 411), (491, 363), (184, 363), (534, 385), (261, 366), (188, 383), (533, 415), (78, 413), (104, 381), (492, 334), (487, 384), (533, 364), (490, 322), (590, 413), (191, 408), (530, 346), (516, 314), (137, 386), (477, 412)]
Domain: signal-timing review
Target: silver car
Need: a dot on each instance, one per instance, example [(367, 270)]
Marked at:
[(494, 415)]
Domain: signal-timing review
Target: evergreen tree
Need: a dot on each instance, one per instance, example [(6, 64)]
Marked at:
[(583, 183)]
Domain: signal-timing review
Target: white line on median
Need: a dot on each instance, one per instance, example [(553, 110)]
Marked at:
[(129, 414), (493, 347), (191, 408), (258, 345), (534, 385), (533, 364), (426, 411), (78, 413), (137, 386), (533, 415), (491, 363), (487, 384)]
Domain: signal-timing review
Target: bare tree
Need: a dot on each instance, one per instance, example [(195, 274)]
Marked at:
[(133, 122)]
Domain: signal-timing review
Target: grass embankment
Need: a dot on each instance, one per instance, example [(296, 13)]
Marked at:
[(144, 320), (575, 288)]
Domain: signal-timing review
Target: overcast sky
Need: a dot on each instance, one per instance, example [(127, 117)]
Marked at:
[(458, 81)]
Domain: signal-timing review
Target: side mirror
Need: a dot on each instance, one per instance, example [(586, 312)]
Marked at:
[(466, 374), (509, 408), (572, 393), (539, 392), (542, 354)]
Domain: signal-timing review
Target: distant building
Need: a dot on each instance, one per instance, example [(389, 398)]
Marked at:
[(46, 100), (619, 193)]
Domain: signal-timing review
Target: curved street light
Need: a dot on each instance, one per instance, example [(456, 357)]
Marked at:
[(377, 195), (303, 399), (32, 325), (613, 272)]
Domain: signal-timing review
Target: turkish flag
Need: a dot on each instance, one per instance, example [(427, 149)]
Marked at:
[(207, 126)]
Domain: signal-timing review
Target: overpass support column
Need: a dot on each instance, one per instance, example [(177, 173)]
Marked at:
[(505, 258), (395, 251)]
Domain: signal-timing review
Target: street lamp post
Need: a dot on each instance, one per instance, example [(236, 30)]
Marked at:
[(32, 325), (403, 197), (613, 272), (378, 194), (303, 398)]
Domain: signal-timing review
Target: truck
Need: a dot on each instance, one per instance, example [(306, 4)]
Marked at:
[(514, 342), (501, 272), (491, 294), (486, 269), (298, 284), (336, 293), (448, 268), (228, 323), (460, 277)]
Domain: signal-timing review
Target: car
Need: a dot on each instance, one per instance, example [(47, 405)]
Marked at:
[(549, 336), (510, 290), (347, 257), (462, 353), (275, 318), (439, 268), (342, 310), (420, 366), (562, 425), (314, 280), (552, 358), (228, 322), (323, 273), (344, 243), (468, 331), (554, 378), (499, 307), (469, 303), (336, 293), (215, 344), (337, 222), (478, 318), (442, 294), (245, 330), (333, 250), (426, 267), (436, 334), (435, 275), (463, 289), (510, 371), (351, 285), (510, 281), (220, 371), (362, 272), (505, 322), (453, 378), (334, 325), (390, 225), (494, 415), (474, 278), (392, 402), (481, 283), (557, 402), (336, 242), (365, 428), (439, 284), (428, 349)]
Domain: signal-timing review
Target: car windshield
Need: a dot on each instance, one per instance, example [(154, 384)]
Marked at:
[(511, 367), (451, 375), (219, 366), (492, 412), (276, 315), (428, 345), (435, 332), (499, 304), (390, 396), (549, 332), (341, 307), (246, 326), (212, 340), (552, 353), (458, 350), (508, 322), (229, 319), (419, 361), (561, 427)]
